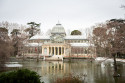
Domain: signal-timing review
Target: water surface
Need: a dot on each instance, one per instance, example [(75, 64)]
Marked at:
[(91, 72)]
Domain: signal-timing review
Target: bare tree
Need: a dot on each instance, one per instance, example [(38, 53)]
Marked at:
[(116, 38), (110, 39), (6, 48), (99, 39)]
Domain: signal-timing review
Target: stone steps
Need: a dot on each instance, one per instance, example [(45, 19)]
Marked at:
[(54, 58)]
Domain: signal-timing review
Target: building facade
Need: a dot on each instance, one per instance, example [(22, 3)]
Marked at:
[(59, 44)]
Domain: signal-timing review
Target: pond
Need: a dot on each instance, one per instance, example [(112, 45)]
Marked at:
[(92, 72)]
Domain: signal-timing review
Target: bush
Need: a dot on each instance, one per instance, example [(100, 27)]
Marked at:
[(20, 76), (69, 79)]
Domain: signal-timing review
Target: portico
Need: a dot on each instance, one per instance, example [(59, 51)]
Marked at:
[(55, 49)]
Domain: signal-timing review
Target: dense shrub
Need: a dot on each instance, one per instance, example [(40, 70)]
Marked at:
[(69, 79), (20, 76)]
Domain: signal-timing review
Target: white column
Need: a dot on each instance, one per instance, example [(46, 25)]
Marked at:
[(61, 50), (54, 50), (64, 51), (58, 50), (51, 50), (47, 50)]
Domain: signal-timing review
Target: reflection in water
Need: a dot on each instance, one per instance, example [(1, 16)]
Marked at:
[(53, 68), (96, 72)]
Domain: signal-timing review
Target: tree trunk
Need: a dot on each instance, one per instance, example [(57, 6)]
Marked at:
[(115, 65)]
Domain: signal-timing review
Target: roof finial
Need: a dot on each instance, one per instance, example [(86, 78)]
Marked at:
[(58, 23)]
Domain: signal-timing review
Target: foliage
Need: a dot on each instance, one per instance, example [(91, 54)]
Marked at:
[(76, 32), (3, 29), (69, 79), (20, 76), (15, 32), (33, 28)]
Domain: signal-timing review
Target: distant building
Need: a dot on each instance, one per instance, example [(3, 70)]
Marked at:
[(59, 44)]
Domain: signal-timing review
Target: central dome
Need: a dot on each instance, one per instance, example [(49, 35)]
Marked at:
[(58, 28)]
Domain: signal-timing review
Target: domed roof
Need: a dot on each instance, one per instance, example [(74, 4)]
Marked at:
[(58, 28)]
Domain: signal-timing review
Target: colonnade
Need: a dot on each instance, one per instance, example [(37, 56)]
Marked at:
[(55, 50)]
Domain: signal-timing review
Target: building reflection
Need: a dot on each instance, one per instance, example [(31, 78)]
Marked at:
[(53, 68), (61, 68)]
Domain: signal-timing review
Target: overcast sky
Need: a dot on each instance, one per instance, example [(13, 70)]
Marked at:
[(72, 14)]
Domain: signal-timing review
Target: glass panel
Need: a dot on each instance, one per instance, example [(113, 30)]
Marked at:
[(53, 50), (59, 50)]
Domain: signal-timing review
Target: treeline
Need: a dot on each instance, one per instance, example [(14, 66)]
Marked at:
[(13, 37)]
